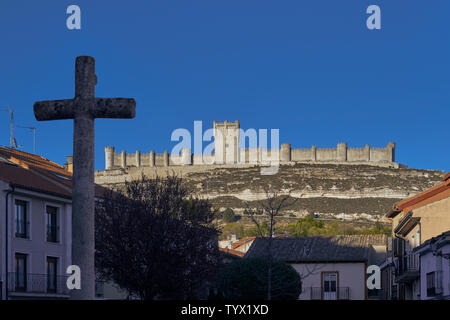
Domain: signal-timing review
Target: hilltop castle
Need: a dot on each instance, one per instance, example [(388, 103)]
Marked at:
[(227, 151)]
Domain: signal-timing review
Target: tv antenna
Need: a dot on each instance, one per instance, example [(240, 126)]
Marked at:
[(12, 140), (34, 135)]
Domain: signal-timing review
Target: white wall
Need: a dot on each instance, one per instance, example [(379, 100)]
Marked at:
[(36, 246), (430, 263), (352, 275)]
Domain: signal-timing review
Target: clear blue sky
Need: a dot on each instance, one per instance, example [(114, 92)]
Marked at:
[(310, 68)]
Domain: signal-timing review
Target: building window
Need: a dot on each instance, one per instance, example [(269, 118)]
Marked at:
[(21, 219), (21, 272), (430, 284), (52, 264), (434, 283), (52, 223)]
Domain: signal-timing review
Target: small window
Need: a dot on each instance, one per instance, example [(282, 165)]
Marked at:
[(21, 219), (52, 224)]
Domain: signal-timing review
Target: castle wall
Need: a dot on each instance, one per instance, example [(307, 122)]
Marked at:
[(301, 154), (326, 154), (252, 156), (358, 154)]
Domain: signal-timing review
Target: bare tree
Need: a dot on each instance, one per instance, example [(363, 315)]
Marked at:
[(269, 209), (155, 240)]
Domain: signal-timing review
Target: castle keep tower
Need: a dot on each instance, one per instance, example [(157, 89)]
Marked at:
[(226, 142)]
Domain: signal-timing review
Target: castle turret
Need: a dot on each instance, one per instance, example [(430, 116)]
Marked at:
[(152, 158), (138, 158), (391, 149), (313, 153), (226, 142), (285, 153), (367, 152), (342, 152), (166, 158), (123, 159), (186, 157), (109, 158)]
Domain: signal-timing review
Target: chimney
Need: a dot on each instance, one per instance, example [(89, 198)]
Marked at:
[(69, 164)]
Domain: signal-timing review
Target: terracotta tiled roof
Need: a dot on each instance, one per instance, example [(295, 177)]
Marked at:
[(438, 192), (38, 166), (243, 241), (232, 252), (318, 249), (32, 160), (27, 179)]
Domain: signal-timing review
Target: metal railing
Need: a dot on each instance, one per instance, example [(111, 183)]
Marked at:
[(37, 283), (408, 265), (341, 293)]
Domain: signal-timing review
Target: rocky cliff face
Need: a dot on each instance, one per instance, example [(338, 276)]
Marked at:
[(329, 190)]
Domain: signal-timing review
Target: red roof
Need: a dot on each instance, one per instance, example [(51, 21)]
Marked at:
[(27, 179), (232, 252), (438, 192), (243, 241), (37, 173)]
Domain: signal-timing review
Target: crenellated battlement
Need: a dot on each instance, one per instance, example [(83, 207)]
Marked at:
[(228, 152)]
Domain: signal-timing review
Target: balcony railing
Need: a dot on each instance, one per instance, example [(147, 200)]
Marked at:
[(408, 267), (341, 293), (37, 284)]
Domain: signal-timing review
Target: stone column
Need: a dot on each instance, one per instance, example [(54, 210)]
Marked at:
[(285, 154), (138, 158), (123, 158), (109, 158), (152, 158), (342, 152), (166, 158), (83, 206)]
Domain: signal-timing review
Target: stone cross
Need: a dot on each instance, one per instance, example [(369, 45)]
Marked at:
[(84, 108)]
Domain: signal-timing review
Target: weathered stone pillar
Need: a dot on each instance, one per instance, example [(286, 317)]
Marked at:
[(123, 158), (186, 157), (152, 158), (367, 152), (313, 153), (109, 158), (285, 154), (84, 108), (138, 158), (166, 158), (342, 152)]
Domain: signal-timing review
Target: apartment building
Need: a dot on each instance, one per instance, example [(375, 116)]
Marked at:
[(415, 221)]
